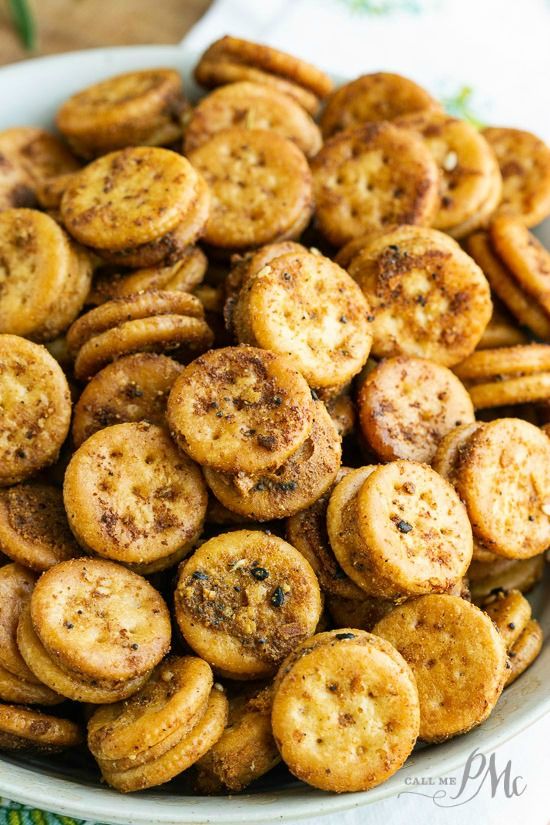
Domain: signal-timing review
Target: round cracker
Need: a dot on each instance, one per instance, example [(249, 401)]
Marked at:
[(133, 388), (269, 60), (428, 298), (399, 530), (524, 255), (16, 586), (36, 408), (187, 751), (66, 683), (166, 249), (131, 308), (407, 405), (181, 335), (132, 497), (505, 361), (136, 108), (23, 728), (103, 206), (246, 750), (172, 701), (510, 611), (30, 157), (26, 692), (458, 659), (523, 390), (252, 106), (503, 283), (372, 176), (240, 409), (504, 480), (466, 163), (525, 650), (524, 162), (33, 526), (307, 532), (44, 280), (100, 620), (244, 600), (185, 275), (373, 97), (307, 307), (295, 485), (260, 185), (338, 724)]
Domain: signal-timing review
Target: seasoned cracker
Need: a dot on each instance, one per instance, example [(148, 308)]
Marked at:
[(458, 658), (337, 723), (525, 650), (399, 530), (244, 600), (307, 307), (466, 162), (370, 177), (185, 275), (428, 298), (33, 526), (251, 106), (132, 497), (170, 704), (407, 405), (373, 97), (293, 486), (240, 409), (187, 751), (36, 409), (504, 284), (260, 185), (133, 109), (26, 729), (44, 278), (133, 388), (504, 480), (524, 255), (104, 206), (100, 620), (524, 162)]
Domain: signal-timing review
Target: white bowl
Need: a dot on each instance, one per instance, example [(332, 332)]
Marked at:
[(30, 93)]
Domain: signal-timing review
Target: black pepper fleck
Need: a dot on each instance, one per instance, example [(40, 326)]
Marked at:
[(259, 573), (404, 526), (277, 597)]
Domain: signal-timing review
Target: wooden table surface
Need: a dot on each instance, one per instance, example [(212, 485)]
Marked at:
[(64, 25)]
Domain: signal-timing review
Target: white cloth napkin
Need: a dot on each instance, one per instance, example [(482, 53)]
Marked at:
[(486, 58)]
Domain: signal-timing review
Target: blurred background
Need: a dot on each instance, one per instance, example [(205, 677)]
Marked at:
[(65, 25)]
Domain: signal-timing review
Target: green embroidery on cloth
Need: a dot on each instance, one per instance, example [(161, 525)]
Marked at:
[(387, 7), (12, 813)]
